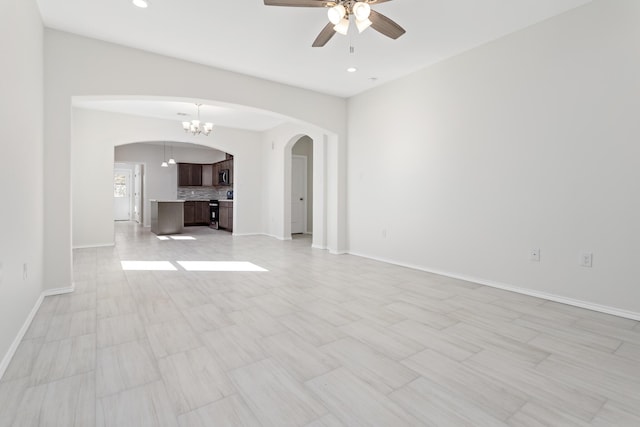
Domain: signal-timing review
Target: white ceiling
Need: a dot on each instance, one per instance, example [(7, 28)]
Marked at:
[(275, 42)]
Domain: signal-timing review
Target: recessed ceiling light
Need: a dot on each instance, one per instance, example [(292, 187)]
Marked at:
[(352, 70), (141, 3)]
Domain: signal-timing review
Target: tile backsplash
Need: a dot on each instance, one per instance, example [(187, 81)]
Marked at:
[(203, 193)]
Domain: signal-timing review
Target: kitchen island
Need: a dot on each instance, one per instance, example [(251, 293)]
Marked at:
[(167, 216)]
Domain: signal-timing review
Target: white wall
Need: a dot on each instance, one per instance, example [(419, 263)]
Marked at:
[(21, 124), (528, 142), (78, 66), (93, 158)]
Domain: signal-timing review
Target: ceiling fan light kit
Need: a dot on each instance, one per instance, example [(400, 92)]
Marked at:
[(339, 13)]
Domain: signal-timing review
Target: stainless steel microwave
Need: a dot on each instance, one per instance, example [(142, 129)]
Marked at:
[(223, 176)]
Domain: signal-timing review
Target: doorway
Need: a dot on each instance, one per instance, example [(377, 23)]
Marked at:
[(302, 186), (298, 194), (122, 195)]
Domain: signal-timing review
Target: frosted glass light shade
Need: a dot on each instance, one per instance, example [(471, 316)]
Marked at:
[(342, 27), (141, 3), (336, 13), (363, 24), (172, 161), (164, 165), (361, 10)]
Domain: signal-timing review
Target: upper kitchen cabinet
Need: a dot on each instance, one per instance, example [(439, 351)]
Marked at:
[(207, 176), (189, 174)]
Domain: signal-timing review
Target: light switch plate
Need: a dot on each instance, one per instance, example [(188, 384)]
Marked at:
[(586, 259)]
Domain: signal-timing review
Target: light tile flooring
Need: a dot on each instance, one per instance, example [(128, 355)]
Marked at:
[(318, 340)]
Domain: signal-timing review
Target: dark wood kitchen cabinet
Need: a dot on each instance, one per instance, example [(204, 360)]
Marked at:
[(189, 175), (196, 212), (216, 171), (202, 213), (226, 215), (189, 213), (207, 175)]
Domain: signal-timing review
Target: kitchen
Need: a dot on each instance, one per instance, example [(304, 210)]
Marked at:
[(199, 178)]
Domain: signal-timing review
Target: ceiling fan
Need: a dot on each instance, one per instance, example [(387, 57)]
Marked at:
[(340, 11)]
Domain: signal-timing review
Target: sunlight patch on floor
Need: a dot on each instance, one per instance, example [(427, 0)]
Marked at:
[(176, 238), (148, 266), (220, 266)]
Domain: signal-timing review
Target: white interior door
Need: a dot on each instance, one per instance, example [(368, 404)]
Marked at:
[(137, 194), (298, 194), (122, 194)]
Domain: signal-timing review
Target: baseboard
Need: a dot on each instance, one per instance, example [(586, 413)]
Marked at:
[(319, 247), (25, 326), (59, 291), (106, 245), (277, 237), (524, 291)]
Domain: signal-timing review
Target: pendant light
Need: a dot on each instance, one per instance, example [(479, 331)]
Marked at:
[(172, 161), (164, 156)]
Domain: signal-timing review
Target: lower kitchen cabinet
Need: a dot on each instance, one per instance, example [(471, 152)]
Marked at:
[(226, 215), (189, 213), (196, 212)]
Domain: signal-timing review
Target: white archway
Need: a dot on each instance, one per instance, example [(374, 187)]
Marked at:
[(257, 179)]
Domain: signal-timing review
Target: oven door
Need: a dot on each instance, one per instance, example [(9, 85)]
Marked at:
[(213, 214)]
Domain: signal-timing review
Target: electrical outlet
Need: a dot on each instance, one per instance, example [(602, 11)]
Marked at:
[(384, 233), (25, 272), (586, 259), (534, 255)]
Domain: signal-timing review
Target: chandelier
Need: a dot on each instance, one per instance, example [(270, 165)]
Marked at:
[(195, 127)]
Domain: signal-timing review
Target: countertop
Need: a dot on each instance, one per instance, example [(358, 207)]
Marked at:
[(167, 201), (225, 200)]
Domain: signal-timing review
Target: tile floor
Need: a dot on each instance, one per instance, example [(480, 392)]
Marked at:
[(318, 340)]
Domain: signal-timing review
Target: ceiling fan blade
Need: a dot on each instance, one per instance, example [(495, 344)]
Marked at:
[(324, 36), (297, 3), (386, 26)]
